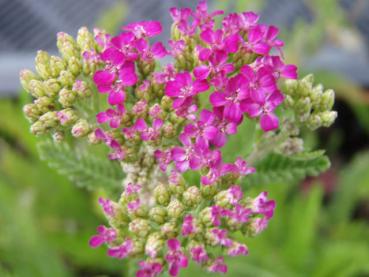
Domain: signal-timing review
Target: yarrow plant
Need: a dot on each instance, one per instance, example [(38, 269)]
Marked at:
[(169, 111)]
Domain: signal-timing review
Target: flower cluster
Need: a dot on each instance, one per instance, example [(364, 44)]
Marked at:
[(161, 124), (167, 125), (61, 89)]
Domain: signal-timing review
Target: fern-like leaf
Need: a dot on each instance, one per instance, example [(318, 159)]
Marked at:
[(83, 167), (276, 168)]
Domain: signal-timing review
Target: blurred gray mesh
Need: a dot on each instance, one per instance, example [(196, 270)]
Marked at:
[(29, 25)]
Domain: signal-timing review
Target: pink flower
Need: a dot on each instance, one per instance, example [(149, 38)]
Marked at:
[(177, 47), (235, 194), (181, 18), (240, 214), (262, 205), (167, 75), (149, 269), (147, 53), (114, 117), (218, 266), (230, 100), (202, 18), (199, 255), (124, 43), (163, 158), (122, 251), (134, 205), (104, 80), (220, 237), (118, 152), (105, 235), (188, 226), (183, 88), (149, 133), (175, 257), (237, 249), (116, 97), (132, 189), (127, 74), (144, 28), (107, 206)]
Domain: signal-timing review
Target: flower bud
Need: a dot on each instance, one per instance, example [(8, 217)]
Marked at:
[(154, 245), (327, 100), (49, 119), (140, 227), (38, 128), (169, 229), (52, 87), (67, 46), (26, 76), (328, 118), (81, 128), (209, 190), (75, 66), (67, 117), (44, 104), (37, 88), (314, 122), (222, 199), (85, 39), (192, 196), (42, 64), (205, 217), (57, 65), (31, 112), (175, 209), (82, 88), (166, 103), (67, 97), (158, 214), (66, 79), (162, 195)]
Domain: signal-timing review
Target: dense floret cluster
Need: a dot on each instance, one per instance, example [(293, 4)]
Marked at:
[(169, 111)]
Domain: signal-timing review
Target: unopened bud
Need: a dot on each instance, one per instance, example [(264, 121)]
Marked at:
[(140, 227), (192, 196), (37, 88), (175, 209), (52, 87), (57, 65), (158, 214), (74, 66), (67, 117), (81, 128), (85, 39), (58, 137), (42, 64), (82, 88), (26, 76), (162, 195), (154, 244), (66, 79), (67, 97), (169, 229), (37, 128), (328, 118), (67, 46)]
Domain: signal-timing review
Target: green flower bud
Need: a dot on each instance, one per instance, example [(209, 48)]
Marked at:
[(292, 146), (66, 79), (37, 88), (192, 196), (44, 104), (82, 88), (209, 191), (85, 40), (169, 230), (49, 119), (26, 76), (31, 112), (306, 85), (67, 117), (81, 128), (158, 214), (327, 100), (166, 103), (316, 94), (154, 244), (140, 227), (75, 66), (205, 217), (67, 46), (169, 131), (222, 199), (290, 87), (57, 65), (67, 97), (162, 195), (314, 122), (328, 118), (38, 128), (175, 209), (52, 87), (42, 64)]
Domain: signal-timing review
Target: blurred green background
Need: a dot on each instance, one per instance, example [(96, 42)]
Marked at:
[(321, 226)]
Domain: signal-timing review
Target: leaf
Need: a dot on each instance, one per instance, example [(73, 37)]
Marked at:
[(277, 169), (84, 168)]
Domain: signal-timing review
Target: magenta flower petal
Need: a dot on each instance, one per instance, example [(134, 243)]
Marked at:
[(269, 122), (218, 99), (202, 72)]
